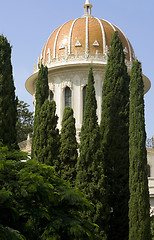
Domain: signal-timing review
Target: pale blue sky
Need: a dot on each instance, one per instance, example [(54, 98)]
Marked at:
[(28, 24)]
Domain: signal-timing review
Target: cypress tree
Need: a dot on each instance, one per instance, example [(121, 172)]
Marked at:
[(89, 166), (139, 208), (8, 102), (68, 146), (47, 135), (115, 142), (42, 88), (41, 94)]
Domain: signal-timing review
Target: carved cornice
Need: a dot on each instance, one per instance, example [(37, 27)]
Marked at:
[(90, 57), (67, 83), (52, 87)]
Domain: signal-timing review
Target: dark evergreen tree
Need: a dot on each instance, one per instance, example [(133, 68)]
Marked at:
[(47, 138), (115, 142), (41, 94), (89, 166), (139, 207), (8, 102), (68, 147)]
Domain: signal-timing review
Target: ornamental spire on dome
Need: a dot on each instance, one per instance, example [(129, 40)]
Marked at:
[(87, 8)]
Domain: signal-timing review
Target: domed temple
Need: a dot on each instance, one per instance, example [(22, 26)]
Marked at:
[(67, 53)]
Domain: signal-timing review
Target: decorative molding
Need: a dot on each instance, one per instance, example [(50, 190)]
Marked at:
[(103, 34), (83, 85), (106, 50), (65, 84), (128, 64), (61, 46), (87, 36), (49, 55), (110, 25), (66, 52), (99, 57), (52, 87), (34, 68), (84, 82), (125, 50), (70, 36), (41, 57), (77, 58), (128, 43), (55, 43), (96, 44), (78, 44), (134, 56)]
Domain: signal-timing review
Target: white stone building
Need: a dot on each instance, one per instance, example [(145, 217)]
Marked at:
[(150, 160), (68, 52)]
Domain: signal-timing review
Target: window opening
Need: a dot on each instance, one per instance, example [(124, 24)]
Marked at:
[(84, 99), (68, 97)]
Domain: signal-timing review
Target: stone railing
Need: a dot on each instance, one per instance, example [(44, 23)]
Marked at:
[(98, 57)]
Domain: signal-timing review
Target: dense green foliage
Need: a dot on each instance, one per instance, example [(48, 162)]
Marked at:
[(114, 142), (7, 210), (89, 166), (47, 135), (139, 207), (8, 102), (36, 204), (41, 94), (24, 124), (68, 147)]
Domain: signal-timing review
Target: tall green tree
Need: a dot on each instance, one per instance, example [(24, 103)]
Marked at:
[(24, 121), (68, 146), (115, 142), (47, 135), (89, 166), (41, 94), (139, 207), (8, 102)]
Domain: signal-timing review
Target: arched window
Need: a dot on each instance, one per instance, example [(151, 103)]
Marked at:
[(50, 95), (84, 98), (68, 97), (148, 170)]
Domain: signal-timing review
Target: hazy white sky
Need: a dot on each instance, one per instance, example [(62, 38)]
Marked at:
[(28, 24)]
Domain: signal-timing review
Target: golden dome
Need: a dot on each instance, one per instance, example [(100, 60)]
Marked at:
[(86, 35), (80, 42)]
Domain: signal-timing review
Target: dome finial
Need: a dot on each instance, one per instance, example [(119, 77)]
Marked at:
[(87, 8)]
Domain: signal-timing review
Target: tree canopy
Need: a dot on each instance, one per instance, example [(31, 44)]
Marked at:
[(36, 204)]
